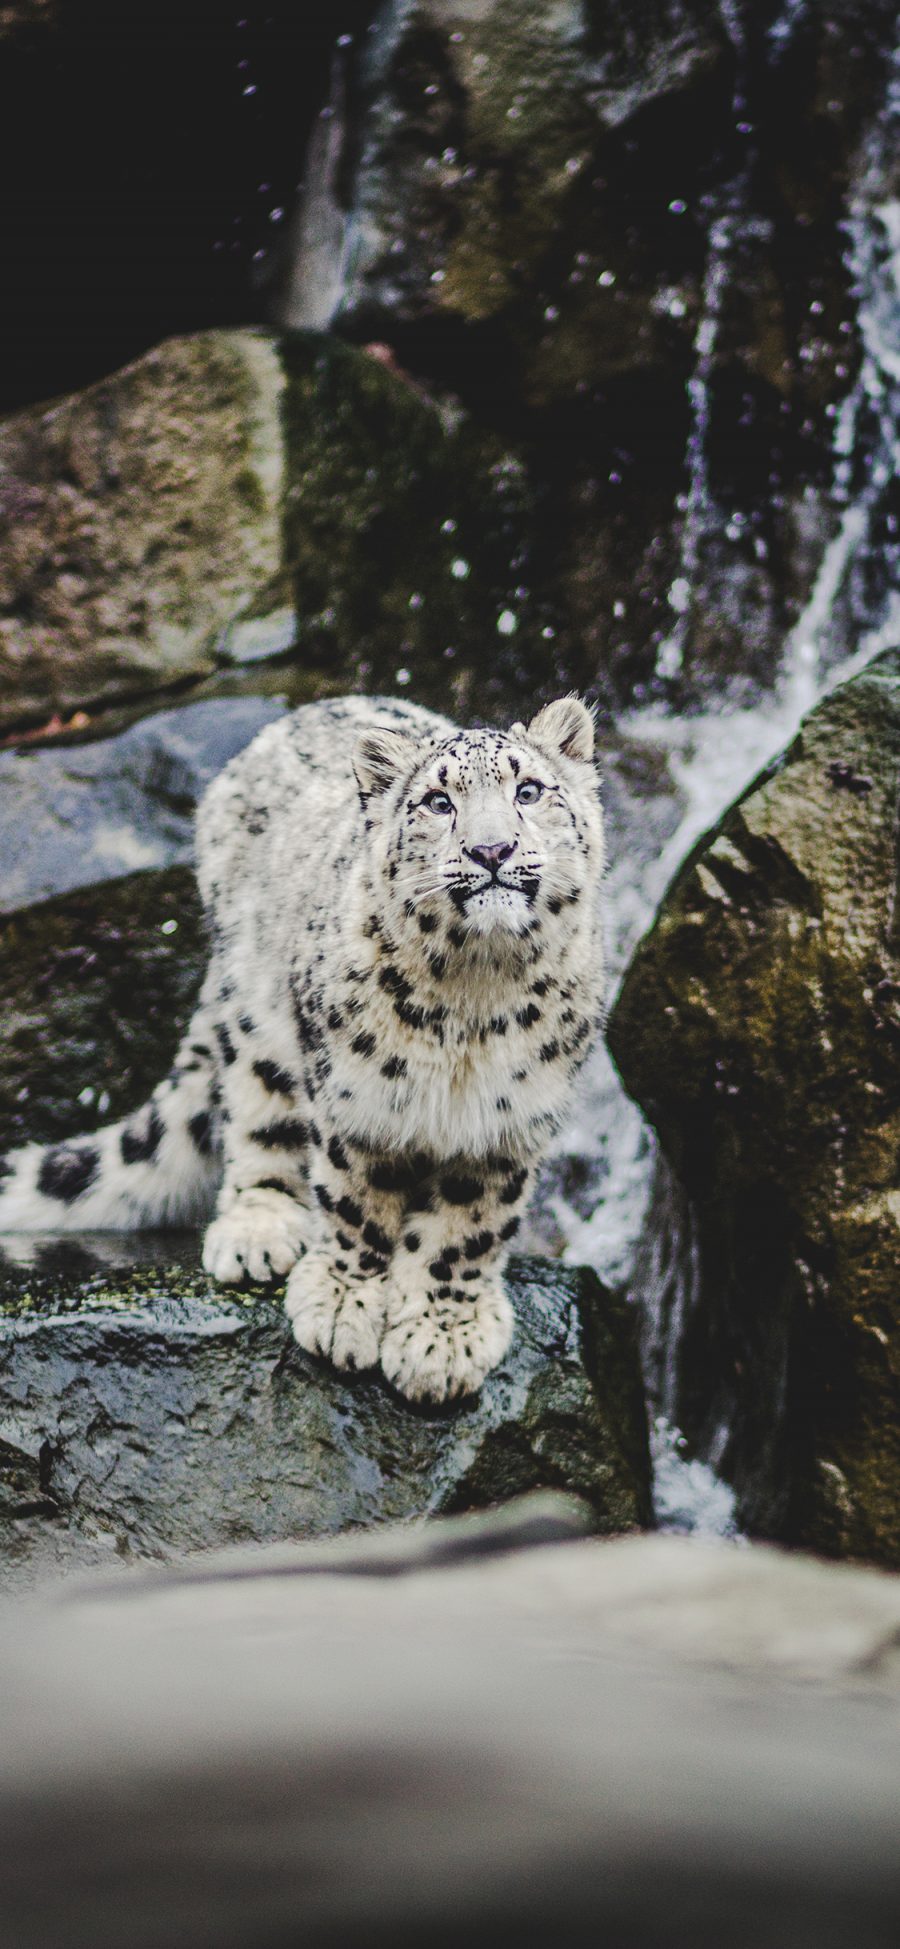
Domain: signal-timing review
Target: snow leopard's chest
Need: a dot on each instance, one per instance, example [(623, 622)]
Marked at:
[(414, 1066)]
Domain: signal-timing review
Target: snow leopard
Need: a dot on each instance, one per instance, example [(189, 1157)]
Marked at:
[(405, 979)]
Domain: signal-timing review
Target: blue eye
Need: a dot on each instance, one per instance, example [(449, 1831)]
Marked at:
[(529, 792), (437, 802)]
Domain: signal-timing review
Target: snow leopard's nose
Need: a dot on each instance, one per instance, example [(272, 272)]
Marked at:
[(491, 857)]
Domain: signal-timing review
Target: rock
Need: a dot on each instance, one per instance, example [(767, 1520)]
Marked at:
[(759, 1028), (231, 496), (440, 1737), (139, 516), (150, 1414), (74, 815), (95, 990)]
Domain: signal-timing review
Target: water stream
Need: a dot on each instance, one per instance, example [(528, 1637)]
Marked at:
[(611, 1197)]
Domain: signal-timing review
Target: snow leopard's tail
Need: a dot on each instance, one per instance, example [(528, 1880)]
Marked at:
[(159, 1166)]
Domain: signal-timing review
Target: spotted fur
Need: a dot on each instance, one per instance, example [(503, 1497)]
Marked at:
[(404, 983)]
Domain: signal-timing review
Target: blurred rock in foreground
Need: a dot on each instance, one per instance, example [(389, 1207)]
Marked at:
[(437, 1738), (759, 1027)]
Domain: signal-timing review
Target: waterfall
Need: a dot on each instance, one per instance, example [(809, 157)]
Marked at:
[(632, 1223)]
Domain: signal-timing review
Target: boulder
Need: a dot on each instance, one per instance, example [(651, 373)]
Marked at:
[(73, 815), (233, 497), (440, 1736), (759, 1028), (146, 1413)]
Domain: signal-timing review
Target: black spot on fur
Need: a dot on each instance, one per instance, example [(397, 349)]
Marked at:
[(427, 923), (456, 936), (395, 1066), (549, 1051), (510, 1229), (526, 1016), (412, 1241), (391, 1177), (460, 1190), (229, 1053), (478, 1245), (246, 1025), (348, 1210), (514, 1188), (371, 1262), (287, 1134), (335, 1019), (540, 987), (498, 1025), (378, 1239), (139, 1142), (200, 1128), (273, 1184), (555, 905), (364, 1044), (278, 1081), (338, 1155), (346, 1244), (394, 983), (68, 1171), (325, 1198)]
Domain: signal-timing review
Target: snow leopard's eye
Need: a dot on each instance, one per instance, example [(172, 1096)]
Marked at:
[(529, 792), (437, 802)]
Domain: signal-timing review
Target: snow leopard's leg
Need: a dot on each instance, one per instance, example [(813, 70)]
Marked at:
[(159, 1165), (449, 1319), (337, 1296), (261, 1221)]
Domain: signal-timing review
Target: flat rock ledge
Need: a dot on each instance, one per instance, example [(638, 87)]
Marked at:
[(145, 1413)]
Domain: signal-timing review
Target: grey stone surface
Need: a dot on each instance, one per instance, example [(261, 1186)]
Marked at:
[(146, 1413), (77, 814), (635, 1742)]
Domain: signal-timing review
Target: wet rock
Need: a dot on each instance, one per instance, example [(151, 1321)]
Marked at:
[(95, 990), (161, 1415), (76, 814), (646, 246), (759, 1028)]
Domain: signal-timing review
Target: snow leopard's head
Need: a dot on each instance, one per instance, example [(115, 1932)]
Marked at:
[(485, 833)]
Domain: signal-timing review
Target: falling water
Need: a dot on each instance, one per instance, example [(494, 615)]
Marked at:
[(628, 1218)]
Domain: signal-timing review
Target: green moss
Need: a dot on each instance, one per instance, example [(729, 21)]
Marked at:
[(759, 1025)]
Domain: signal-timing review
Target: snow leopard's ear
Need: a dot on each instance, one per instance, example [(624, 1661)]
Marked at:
[(565, 726), (380, 758)]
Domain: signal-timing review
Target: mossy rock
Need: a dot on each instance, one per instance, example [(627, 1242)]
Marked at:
[(759, 1027)]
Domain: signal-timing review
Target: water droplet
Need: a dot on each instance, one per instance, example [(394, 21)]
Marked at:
[(573, 165), (677, 206), (507, 623), (103, 1102), (551, 312), (169, 927), (345, 40), (86, 1095), (448, 155), (437, 277), (276, 216), (431, 89), (416, 601), (403, 676), (250, 89), (448, 527), (679, 594), (607, 278), (618, 608), (548, 634), (817, 307), (460, 568)]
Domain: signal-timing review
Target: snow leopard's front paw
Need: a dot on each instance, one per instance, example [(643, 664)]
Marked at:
[(335, 1316), (435, 1349), (261, 1237)]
